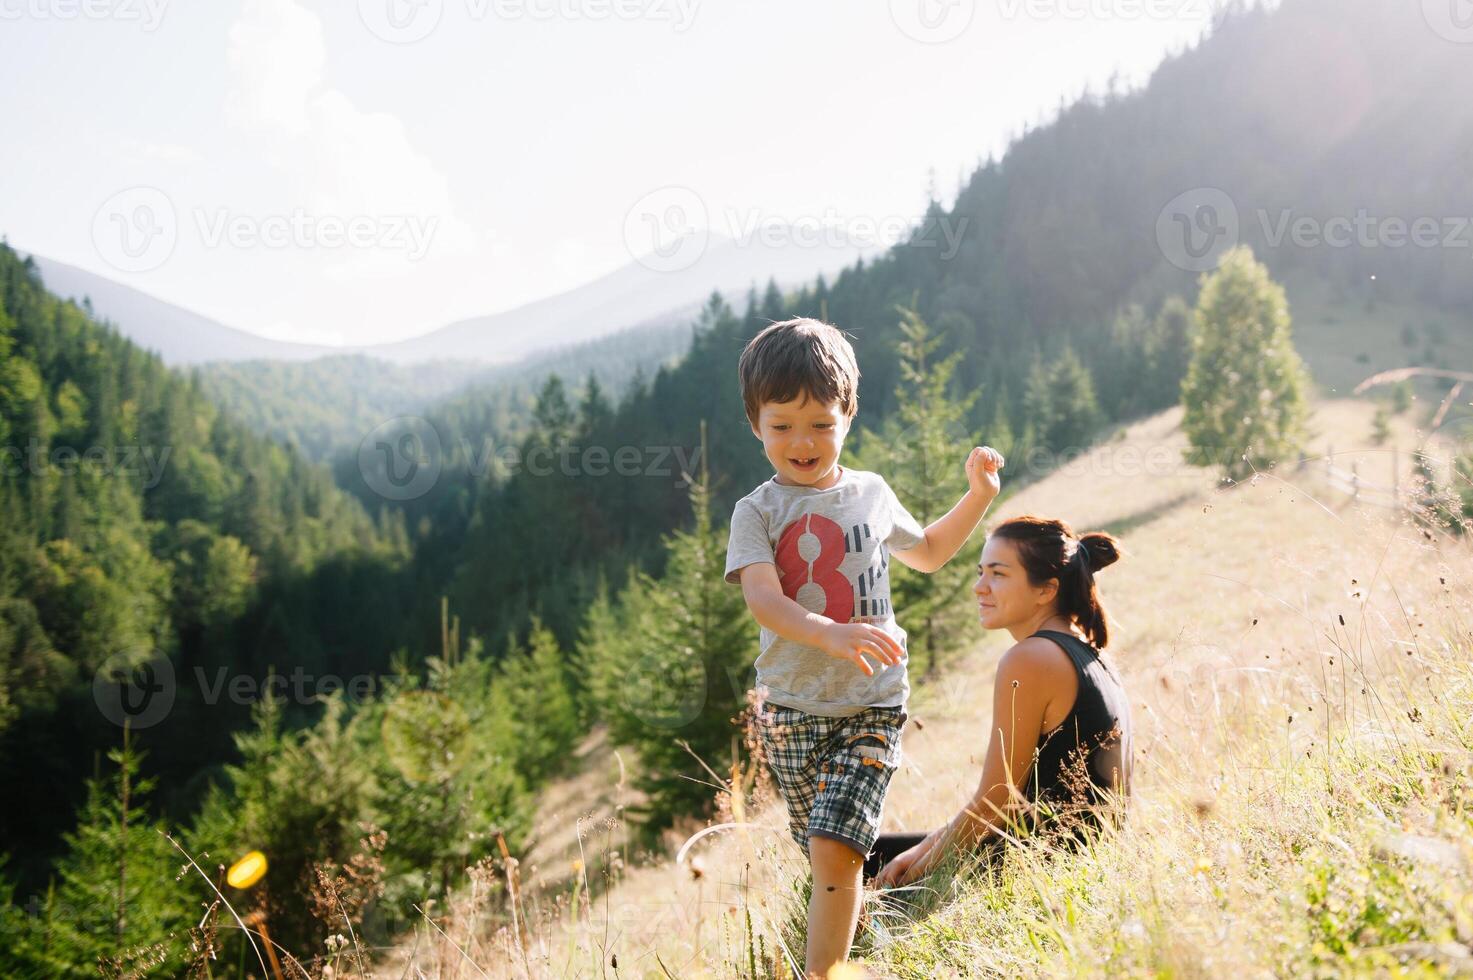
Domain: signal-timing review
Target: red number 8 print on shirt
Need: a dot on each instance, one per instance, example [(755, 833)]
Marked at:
[(823, 571)]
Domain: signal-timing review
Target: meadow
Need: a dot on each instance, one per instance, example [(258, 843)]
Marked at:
[(1301, 680)]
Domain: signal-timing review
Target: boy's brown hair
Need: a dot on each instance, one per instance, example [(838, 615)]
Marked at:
[(789, 359)]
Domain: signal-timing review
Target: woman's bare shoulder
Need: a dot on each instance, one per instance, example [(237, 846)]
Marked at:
[(1035, 657)]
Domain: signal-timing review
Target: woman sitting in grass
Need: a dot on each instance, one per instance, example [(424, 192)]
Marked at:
[(1060, 746)]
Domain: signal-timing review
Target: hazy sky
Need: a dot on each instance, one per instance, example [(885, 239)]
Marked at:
[(367, 170)]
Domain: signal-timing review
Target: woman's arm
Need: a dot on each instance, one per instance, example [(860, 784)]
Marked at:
[(1029, 677)]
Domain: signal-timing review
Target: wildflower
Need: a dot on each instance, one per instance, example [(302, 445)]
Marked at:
[(247, 871), (846, 971)]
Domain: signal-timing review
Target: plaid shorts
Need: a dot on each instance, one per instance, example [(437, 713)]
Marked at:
[(833, 772)]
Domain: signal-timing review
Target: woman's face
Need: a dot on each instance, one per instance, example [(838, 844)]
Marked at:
[(1004, 596)]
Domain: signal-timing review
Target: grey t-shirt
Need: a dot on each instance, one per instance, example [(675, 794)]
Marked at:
[(832, 552)]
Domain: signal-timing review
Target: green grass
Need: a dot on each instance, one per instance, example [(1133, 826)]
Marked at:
[(1352, 857), (1344, 339), (1301, 676)]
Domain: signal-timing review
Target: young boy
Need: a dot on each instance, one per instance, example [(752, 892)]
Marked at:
[(811, 549)]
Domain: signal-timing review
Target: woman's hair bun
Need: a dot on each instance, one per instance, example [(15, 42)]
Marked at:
[(1101, 549)]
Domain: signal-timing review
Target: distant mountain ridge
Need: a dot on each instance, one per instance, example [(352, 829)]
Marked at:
[(635, 294), (178, 335)]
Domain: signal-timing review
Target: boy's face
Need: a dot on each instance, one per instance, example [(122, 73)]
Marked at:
[(803, 439)]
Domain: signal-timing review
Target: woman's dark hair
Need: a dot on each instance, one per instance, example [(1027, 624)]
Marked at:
[(1049, 550)]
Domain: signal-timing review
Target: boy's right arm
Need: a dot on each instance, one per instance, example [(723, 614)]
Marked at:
[(847, 641)]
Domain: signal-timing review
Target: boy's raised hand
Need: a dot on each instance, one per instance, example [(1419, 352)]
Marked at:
[(855, 641), (983, 464)]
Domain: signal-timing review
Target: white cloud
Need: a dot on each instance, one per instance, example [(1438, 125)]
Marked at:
[(343, 161), (276, 56)]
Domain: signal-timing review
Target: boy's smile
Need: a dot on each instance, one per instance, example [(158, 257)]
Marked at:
[(803, 440)]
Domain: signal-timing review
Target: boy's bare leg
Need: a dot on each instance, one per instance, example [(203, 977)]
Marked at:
[(833, 911)]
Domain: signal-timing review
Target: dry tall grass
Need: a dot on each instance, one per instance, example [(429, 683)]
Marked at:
[(1301, 670)]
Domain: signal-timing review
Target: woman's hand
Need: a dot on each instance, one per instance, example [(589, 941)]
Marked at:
[(908, 865)]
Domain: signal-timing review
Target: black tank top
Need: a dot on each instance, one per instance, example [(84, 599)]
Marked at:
[(1089, 754)]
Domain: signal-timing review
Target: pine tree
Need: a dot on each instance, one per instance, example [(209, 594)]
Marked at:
[(533, 686), (1245, 391), (445, 758), (920, 450), (1038, 404), (1076, 411), (594, 410), (297, 796), (675, 686), (598, 653), (555, 417), (1000, 434), (115, 907), (1169, 350)]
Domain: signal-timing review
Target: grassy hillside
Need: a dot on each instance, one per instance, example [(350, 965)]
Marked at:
[(1301, 679), (1345, 338)]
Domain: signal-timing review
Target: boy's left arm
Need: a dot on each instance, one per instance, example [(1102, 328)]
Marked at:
[(946, 535)]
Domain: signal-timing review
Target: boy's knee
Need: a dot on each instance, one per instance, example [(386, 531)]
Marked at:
[(833, 859)]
